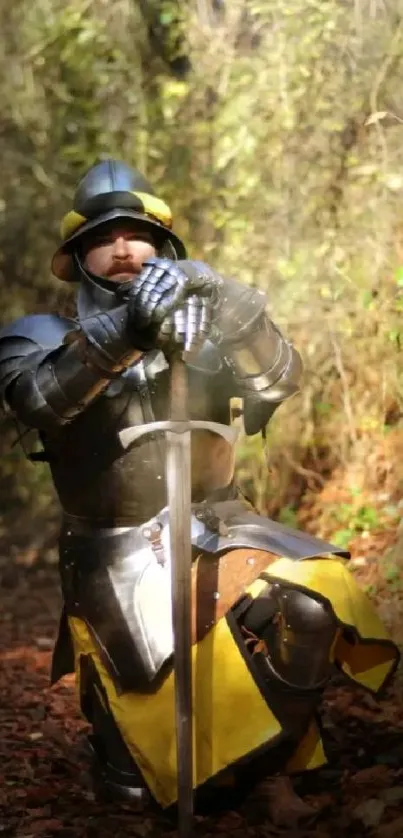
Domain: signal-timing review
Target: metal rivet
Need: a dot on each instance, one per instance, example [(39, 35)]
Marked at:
[(156, 527), (216, 595)]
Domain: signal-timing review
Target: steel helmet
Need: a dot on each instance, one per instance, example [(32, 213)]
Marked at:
[(110, 190)]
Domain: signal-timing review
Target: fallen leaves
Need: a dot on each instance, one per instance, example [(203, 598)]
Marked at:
[(276, 799), (45, 825), (375, 776), (370, 812), (393, 829), (45, 789)]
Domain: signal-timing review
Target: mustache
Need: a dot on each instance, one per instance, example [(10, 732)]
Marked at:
[(123, 268)]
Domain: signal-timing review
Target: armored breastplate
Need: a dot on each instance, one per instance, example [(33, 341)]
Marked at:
[(96, 480)]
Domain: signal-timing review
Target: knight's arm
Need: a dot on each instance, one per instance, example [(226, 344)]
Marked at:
[(266, 367), (51, 367)]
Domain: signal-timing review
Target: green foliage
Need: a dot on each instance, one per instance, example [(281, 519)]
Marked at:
[(390, 564), (355, 518), (359, 518), (288, 516), (280, 153)]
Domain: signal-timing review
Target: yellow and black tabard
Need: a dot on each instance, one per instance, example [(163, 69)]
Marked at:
[(232, 716)]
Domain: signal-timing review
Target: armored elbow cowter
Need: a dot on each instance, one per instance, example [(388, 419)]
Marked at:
[(52, 367), (264, 364)]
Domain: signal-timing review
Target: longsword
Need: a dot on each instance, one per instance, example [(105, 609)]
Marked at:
[(179, 496)]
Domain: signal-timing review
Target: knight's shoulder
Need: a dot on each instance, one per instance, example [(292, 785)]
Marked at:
[(46, 330)]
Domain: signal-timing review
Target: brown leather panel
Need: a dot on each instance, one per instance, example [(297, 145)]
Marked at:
[(219, 581), (213, 462)]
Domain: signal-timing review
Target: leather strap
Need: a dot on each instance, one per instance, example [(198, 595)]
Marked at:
[(218, 582)]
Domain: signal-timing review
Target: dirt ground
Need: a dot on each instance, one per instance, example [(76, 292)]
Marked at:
[(45, 789)]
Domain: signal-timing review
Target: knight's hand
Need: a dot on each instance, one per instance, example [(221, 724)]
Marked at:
[(171, 305)]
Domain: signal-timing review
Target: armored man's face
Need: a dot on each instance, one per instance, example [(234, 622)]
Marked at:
[(117, 252)]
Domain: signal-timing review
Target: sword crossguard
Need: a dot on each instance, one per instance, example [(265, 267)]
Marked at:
[(130, 435)]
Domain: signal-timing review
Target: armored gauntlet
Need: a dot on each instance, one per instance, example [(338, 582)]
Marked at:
[(171, 308)]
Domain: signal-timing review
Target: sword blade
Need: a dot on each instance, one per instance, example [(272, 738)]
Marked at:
[(178, 480), (178, 477)]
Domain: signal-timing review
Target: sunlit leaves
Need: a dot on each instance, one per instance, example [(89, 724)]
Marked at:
[(279, 166)]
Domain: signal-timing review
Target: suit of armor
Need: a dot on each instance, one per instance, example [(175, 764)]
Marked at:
[(79, 382)]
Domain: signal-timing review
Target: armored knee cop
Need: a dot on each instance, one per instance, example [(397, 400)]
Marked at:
[(299, 631)]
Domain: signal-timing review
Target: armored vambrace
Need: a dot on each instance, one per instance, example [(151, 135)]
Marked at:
[(264, 364), (49, 386)]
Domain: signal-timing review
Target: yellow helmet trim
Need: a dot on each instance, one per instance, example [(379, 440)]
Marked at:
[(70, 223), (154, 206), (150, 206)]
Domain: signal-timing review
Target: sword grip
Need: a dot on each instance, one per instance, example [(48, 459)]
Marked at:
[(178, 390)]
